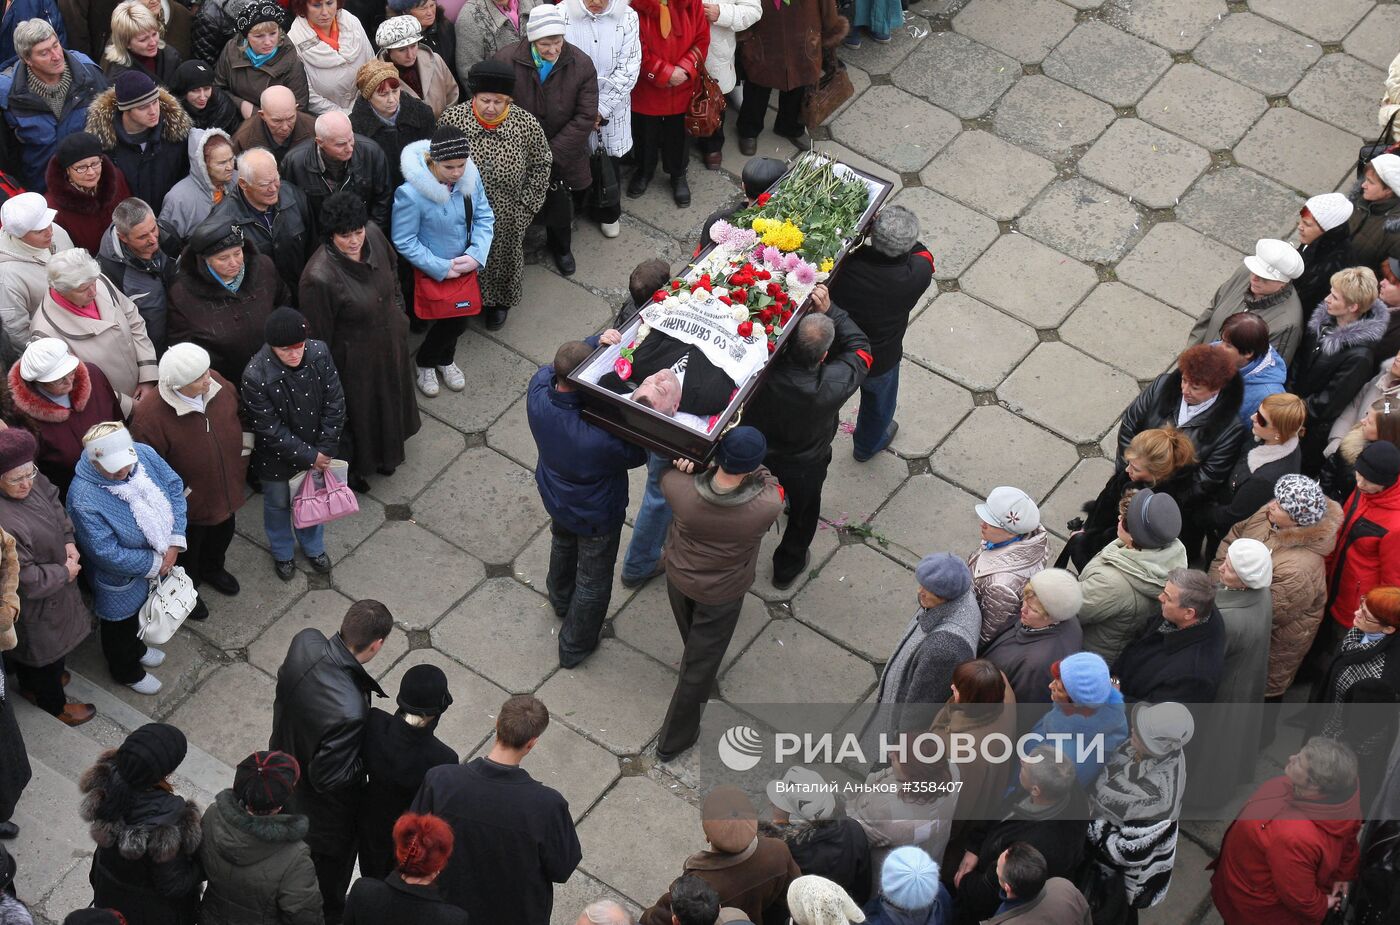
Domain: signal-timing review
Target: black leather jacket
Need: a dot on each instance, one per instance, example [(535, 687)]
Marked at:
[(288, 242), (367, 176), (1217, 433)]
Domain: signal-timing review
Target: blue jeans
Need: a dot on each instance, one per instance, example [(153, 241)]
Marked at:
[(580, 587), (277, 521), (650, 527), (878, 397)]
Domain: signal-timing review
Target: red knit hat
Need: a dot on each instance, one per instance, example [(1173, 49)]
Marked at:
[(264, 781)]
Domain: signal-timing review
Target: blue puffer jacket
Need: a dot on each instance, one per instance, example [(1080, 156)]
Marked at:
[(430, 220), (1109, 720), (31, 123), (1262, 377), (582, 470), (116, 556)]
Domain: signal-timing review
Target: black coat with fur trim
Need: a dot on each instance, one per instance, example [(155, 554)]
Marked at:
[(1217, 433), (164, 161), (259, 868), (1332, 365), (145, 865)]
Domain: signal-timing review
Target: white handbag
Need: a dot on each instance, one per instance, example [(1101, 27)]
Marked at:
[(171, 599)]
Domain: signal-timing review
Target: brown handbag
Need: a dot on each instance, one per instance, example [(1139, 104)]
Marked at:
[(706, 110), (833, 89)]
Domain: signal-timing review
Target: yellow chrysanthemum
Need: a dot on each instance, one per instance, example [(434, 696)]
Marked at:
[(827, 264), (785, 237)]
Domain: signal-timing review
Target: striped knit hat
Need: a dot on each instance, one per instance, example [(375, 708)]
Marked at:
[(263, 782)]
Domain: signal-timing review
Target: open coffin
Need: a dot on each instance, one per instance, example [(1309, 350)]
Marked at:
[(699, 311)]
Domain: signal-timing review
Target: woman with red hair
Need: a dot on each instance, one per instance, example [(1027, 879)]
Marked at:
[(422, 845)]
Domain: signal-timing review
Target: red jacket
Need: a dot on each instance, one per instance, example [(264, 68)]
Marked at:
[(686, 46), (60, 430), (1281, 856), (1368, 551)]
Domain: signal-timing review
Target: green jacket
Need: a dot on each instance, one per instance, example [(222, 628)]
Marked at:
[(1120, 588), (259, 868)]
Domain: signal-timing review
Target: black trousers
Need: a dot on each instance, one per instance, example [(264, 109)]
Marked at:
[(659, 136), (439, 345), (802, 483), (333, 873), (123, 649), (754, 110), (206, 548), (45, 682), (705, 632)]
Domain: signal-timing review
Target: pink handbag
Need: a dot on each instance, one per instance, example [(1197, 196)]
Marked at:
[(317, 504)]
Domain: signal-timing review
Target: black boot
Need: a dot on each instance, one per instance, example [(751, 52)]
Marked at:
[(638, 184), (495, 318), (680, 190)]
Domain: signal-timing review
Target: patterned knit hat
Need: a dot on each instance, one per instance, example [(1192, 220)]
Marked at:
[(449, 144), (264, 781), (546, 20), (256, 13), (814, 900), (398, 32), (1301, 498), (373, 73)]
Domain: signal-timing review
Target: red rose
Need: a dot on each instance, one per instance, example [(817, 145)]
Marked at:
[(725, 299), (773, 289), (764, 274), (772, 345), (745, 328), (622, 368), (785, 316), (763, 198), (675, 285), (739, 295), (767, 329), (705, 279), (659, 295)]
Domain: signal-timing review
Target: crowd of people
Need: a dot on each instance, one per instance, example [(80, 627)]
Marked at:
[(219, 230)]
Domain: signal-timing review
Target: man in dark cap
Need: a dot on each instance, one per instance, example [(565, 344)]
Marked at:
[(252, 853), (143, 130), (582, 479), (719, 517), (319, 718), (399, 751)]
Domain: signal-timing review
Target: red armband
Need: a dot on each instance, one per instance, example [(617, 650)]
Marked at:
[(869, 360)]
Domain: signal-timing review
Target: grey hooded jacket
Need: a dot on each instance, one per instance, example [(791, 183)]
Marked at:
[(190, 201)]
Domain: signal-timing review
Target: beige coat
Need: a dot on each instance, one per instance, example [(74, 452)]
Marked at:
[(1299, 589), (116, 342), (9, 592), (330, 72), (24, 281), (439, 87)]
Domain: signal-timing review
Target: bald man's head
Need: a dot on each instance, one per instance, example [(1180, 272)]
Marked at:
[(278, 108), (334, 136)]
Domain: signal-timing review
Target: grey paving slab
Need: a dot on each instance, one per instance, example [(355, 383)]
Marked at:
[(1328, 92), (188, 660), (1084, 220), (554, 304), (574, 895), (1028, 280), (1155, 266), (484, 503), (1048, 117), (823, 545), (770, 674), (959, 233), (863, 601), (1144, 163), (617, 697), (960, 171), (637, 839), (870, 483), (1373, 39), (1176, 25), (429, 452), (648, 624), (895, 128), (932, 407), (532, 565), (1067, 501), (968, 341), (995, 447), (495, 378), (957, 74), (236, 621), (511, 436), (341, 537), (471, 719), (605, 263), (1156, 330), (1209, 207), (1318, 154), (1203, 106), (227, 716), (708, 189), (579, 769), (1024, 29), (321, 610), (504, 632), (875, 58), (929, 514), (417, 589), (1108, 63), (1326, 22), (1039, 386), (1259, 53)]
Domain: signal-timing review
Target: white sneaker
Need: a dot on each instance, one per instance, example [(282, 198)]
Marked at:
[(427, 382), (452, 377), (153, 658), (611, 229), (148, 685)]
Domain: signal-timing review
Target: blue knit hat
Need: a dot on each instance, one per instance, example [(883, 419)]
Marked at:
[(1086, 678), (943, 574), (909, 878)]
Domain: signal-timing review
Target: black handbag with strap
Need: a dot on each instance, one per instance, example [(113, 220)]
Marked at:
[(606, 192), (1378, 147)]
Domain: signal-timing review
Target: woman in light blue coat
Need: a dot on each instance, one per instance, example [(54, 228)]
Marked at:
[(442, 224), (128, 511), (1089, 709)]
